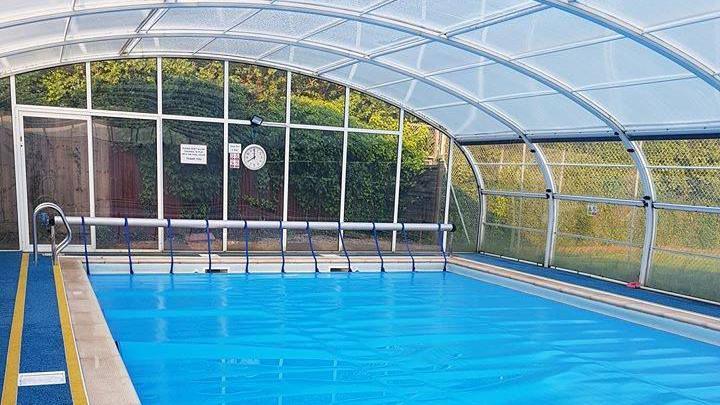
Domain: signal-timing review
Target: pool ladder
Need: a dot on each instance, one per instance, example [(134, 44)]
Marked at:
[(56, 248)]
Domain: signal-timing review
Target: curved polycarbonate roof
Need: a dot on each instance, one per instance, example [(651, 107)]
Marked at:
[(483, 69)]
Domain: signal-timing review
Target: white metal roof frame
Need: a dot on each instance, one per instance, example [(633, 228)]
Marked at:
[(531, 99)]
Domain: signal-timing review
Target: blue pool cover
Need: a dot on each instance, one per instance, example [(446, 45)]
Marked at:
[(387, 338)]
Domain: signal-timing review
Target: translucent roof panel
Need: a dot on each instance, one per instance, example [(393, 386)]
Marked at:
[(303, 57), (493, 81), (359, 36), (82, 50), (466, 120), (686, 103), (28, 35), (240, 47), (365, 75), (432, 57), (638, 64), (443, 14), (549, 113), (701, 40), (645, 66), (547, 29), (121, 22), (283, 23), (648, 13), (210, 18)]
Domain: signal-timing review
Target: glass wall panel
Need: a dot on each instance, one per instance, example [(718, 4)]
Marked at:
[(602, 169), (314, 185), (257, 90), (605, 240), (257, 195), (62, 86), (193, 191), (56, 165), (193, 87), (8, 196), (316, 101), (464, 205), (685, 171), (516, 227), (422, 180), (686, 258), (370, 187), (509, 167), (368, 112), (125, 165), (125, 85)]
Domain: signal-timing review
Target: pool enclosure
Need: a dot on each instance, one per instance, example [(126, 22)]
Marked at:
[(575, 134)]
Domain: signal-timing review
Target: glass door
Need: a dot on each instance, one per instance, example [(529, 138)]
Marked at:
[(57, 168)]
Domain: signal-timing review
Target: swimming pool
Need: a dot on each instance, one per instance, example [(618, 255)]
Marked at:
[(387, 338)]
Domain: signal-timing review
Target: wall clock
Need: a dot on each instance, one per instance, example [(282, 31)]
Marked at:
[(254, 157)]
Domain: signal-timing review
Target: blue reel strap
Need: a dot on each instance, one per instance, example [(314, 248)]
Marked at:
[(377, 247), (171, 236), (342, 243), (127, 242), (246, 236), (85, 243), (407, 244), (442, 247), (312, 249), (282, 250), (207, 235)]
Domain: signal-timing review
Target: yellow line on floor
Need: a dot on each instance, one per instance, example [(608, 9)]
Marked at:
[(12, 365), (77, 387)]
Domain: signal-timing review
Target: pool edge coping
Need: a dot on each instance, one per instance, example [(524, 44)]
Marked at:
[(105, 377), (629, 303)]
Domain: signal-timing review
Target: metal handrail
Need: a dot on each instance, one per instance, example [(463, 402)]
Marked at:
[(251, 224), (64, 243)]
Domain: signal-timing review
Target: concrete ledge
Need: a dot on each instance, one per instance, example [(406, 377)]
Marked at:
[(645, 307), (106, 378)]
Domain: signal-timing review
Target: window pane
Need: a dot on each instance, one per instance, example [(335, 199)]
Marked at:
[(422, 180), (257, 195), (686, 257), (605, 240), (368, 112), (62, 86), (464, 205), (509, 167), (316, 101), (314, 185), (193, 87), (603, 169), (257, 90), (56, 164), (125, 85), (685, 171), (193, 191), (8, 196), (516, 227), (370, 187), (125, 164)]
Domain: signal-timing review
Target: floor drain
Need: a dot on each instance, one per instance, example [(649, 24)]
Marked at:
[(41, 378)]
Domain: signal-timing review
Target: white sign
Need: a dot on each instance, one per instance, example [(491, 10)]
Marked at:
[(234, 161), (193, 154), (234, 148)]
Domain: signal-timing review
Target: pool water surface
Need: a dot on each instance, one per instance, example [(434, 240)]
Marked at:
[(428, 337)]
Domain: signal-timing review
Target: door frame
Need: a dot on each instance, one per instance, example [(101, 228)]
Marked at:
[(21, 173)]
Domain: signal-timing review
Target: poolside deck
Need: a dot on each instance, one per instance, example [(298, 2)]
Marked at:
[(34, 331)]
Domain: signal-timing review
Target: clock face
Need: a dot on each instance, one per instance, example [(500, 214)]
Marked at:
[(254, 157)]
